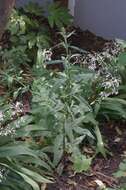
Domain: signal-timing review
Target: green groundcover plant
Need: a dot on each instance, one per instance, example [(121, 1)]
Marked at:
[(29, 28)]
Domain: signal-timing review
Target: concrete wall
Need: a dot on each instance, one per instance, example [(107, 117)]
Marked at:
[(106, 18), (23, 2), (71, 6)]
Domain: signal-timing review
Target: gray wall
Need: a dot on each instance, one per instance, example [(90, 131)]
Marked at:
[(106, 18), (23, 2)]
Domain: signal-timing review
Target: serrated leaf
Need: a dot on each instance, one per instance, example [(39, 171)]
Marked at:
[(58, 149), (81, 163)]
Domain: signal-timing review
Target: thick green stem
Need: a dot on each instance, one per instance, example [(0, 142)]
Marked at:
[(100, 144)]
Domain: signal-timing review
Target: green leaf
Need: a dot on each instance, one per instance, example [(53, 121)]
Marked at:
[(58, 149), (122, 59), (122, 166), (81, 163), (58, 15), (100, 143), (31, 182), (35, 176), (120, 174), (86, 132), (16, 150), (33, 8)]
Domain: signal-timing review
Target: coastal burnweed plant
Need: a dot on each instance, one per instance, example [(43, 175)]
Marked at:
[(69, 105), (62, 112), (62, 106)]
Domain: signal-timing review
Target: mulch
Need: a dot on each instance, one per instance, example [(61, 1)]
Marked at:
[(88, 41)]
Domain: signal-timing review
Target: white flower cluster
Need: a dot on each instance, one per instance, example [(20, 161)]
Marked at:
[(93, 60), (7, 131), (18, 122), (110, 86), (112, 49), (99, 63), (3, 173), (47, 54), (17, 108), (1, 116)]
